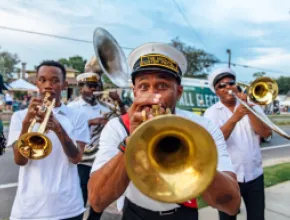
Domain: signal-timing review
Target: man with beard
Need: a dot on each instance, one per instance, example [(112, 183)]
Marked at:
[(242, 131), (98, 113)]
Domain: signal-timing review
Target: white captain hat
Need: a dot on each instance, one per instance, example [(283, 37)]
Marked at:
[(218, 75), (88, 77), (157, 57)]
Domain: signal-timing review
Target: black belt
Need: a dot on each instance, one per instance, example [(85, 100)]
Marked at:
[(142, 211)]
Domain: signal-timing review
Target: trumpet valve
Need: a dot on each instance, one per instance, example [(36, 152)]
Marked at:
[(155, 110)]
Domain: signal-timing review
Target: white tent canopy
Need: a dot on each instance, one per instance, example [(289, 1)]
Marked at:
[(22, 85)]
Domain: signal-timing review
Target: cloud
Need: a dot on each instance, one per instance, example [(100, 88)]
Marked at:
[(227, 11), (269, 58), (14, 15)]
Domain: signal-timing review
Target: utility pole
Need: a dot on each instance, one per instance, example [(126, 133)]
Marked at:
[(229, 52)]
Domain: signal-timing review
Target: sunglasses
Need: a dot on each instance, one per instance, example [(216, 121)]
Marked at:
[(223, 85), (93, 85)]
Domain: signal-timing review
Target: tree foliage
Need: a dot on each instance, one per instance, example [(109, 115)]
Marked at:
[(76, 62), (199, 61), (283, 84), (8, 62)]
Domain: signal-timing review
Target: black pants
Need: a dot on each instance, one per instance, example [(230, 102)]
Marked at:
[(134, 212), (84, 174), (79, 217), (254, 197)]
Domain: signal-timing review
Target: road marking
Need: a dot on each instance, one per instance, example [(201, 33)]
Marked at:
[(275, 147), (8, 185), (11, 185)]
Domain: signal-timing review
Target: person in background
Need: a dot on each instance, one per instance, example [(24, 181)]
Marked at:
[(8, 101), (98, 113), (242, 131)]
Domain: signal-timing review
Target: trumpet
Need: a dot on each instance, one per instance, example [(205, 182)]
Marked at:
[(36, 145), (262, 91), (170, 158)]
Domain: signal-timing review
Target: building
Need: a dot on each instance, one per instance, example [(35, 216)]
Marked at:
[(72, 90)]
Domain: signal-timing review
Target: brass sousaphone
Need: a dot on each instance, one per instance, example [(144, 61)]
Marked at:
[(168, 158)]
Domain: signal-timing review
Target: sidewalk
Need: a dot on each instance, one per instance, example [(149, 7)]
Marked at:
[(277, 205)]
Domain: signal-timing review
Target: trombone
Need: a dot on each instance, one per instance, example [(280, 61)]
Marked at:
[(262, 91), (36, 145)]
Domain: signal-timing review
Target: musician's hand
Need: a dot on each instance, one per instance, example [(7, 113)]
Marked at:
[(142, 103), (98, 121), (242, 96), (33, 109), (240, 112), (53, 124), (115, 96)]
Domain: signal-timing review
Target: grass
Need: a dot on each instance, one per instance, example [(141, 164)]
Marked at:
[(286, 122), (272, 175), (6, 123), (276, 174)]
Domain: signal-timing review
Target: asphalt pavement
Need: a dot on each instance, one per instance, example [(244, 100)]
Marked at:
[(9, 173)]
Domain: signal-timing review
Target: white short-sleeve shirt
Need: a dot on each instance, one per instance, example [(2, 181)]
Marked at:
[(243, 144), (114, 133), (91, 111), (49, 189)]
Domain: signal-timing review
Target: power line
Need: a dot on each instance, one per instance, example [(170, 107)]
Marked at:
[(258, 68), (185, 18), (53, 35), (127, 48)]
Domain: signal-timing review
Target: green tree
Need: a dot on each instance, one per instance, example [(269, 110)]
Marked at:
[(199, 61), (283, 84), (76, 62), (8, 62), (259, 74)]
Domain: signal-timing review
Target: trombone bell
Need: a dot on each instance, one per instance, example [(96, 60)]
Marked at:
[(171, 159), (262, 91)]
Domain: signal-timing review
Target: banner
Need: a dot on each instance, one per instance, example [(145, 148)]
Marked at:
[(197, 99)]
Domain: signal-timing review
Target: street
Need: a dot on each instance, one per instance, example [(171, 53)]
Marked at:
[(9, 173)]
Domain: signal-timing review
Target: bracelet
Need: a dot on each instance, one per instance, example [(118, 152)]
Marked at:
[(122, 145)]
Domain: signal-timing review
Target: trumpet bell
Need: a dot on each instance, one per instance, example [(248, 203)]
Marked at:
[(263, 91), (34, 145), (171, 159)]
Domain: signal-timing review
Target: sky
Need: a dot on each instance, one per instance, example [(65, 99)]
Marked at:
[(256, 31)]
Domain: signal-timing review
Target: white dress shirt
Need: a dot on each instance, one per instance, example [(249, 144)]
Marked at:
[(49, 189), (243, 143), (114, 133)]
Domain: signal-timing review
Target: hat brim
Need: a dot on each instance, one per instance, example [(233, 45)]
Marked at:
[(154, 70), (221, 76)]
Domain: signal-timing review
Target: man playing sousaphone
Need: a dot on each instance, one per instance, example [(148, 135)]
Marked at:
[(157, 69), (98, 113)]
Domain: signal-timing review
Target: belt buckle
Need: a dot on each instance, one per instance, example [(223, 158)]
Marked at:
[(169, 212)]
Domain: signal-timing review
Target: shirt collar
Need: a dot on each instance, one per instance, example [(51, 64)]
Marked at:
[(84, 103), (62, 110)]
